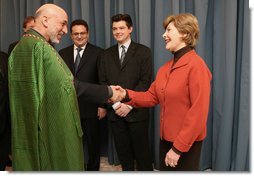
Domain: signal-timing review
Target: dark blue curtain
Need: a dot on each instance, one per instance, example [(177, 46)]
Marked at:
[(224, 45)]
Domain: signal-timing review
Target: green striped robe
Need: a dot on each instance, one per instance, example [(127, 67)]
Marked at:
[(46, 129)]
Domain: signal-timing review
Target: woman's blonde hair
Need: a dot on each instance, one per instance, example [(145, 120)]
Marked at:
[(187, 24)]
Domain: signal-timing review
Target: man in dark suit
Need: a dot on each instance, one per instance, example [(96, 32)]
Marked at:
[(129, 65), (81, 58), (27, 24), (5, 124)]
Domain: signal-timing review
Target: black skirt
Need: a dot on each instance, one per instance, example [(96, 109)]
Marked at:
[(188, 161)]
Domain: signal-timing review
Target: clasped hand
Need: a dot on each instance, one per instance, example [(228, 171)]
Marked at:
[(122, 110), (118, 94)]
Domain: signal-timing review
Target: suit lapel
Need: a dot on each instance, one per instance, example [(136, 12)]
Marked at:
[(115, 56), (70, 59)]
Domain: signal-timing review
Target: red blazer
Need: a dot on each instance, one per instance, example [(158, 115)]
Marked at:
[(183, 93)]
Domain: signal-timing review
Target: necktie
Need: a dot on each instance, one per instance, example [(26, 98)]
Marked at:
[(77, 61), (122, 54)]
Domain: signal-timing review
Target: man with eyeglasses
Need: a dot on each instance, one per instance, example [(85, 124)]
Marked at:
[(81, 58)]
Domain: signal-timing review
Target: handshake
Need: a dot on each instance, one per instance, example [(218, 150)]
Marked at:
[(118, 94)]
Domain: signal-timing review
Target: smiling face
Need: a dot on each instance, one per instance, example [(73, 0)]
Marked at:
[(173, 39), (121, 32), (51, 22), (57, 27), (79, 35)]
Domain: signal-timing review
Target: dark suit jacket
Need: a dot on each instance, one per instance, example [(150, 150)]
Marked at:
[(135, 73), (87, 72), (11, 47), (5, 123)]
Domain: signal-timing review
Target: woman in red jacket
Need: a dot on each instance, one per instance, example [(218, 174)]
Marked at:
[(182, 88)]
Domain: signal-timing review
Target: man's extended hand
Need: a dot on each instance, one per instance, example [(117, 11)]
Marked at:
[(118, 93)]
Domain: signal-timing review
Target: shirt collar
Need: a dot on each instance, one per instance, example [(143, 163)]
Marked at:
[(178, 54), (83, 47), (126, 44)]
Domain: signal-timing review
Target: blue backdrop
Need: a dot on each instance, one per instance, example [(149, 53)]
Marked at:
[(224, 45)]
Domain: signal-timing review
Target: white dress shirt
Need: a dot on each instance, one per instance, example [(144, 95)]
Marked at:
[(80, 53)]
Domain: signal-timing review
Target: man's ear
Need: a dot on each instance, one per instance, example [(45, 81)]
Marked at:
[(131, 29), (45, 21)]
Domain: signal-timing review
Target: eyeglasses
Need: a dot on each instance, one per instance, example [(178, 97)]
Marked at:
[(76, 34)]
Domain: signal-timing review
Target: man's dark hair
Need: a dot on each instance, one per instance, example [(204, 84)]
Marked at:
[(122, 17), (27, 20), (79, 22)]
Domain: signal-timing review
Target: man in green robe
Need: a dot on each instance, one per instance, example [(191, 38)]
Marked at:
[(46, 129)]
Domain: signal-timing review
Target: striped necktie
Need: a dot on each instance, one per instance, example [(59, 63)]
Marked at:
[(122, 54), (77, 61)]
